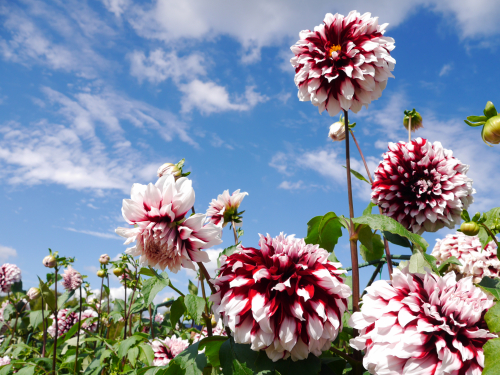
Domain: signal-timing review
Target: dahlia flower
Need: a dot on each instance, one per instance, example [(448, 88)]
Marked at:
[(4, 360), (285, 298), (476, 262), (159, 318), (337, 131), (422, 186), (91, 324), (224, 209), (165, 238), (65, 320), (9, 274), (104, 259), (423, 324), (33, 293), (167, 349), (169, 168), (72, 279), (343, 64)]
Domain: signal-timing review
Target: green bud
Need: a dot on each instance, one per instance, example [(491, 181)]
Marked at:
[(49, 261), (470, 228), (491, 130), (118, 271), (490, 110), (416, 120), (101, 273)]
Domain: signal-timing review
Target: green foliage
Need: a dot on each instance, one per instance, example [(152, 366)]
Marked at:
[(492, 222), (448, 262), (420, 261), (47, 295), (152, 286), (492, 318), (358, 175), (212, 346), (177, 310), (194, 306), (324, 231), (492, 357), (491, 286), (376, 251), (193, 289)]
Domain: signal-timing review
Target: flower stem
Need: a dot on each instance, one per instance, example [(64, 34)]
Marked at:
[(490, 233), (386, 243), (57, 325), (207, 277), (346, 356), (78, 332), (44, 331), (235, 234), (208, 320), (151, 317), (100, 308), (125, 308), (127, 316)]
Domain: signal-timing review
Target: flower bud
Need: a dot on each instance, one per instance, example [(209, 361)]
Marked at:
[(33, 293), (169, 168), (104, 259), (491, 130), (49, 261), (101, 273), (416, 120), (118, 271), (470, 228), (337, 131), (490, 110)]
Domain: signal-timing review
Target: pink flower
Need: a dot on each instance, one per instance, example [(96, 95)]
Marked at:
[(65, 320), (124, 277), (422, 186), (91, 324), (4, 361), (167, 349), (33, 293), (224, 209), (285, 298), (159, 318), (476, 262), (422, 324), (9, 274), (72, 279), (343, 64), (104, 259), (165, 238)]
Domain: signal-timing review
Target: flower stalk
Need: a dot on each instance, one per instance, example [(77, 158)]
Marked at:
[(78, 332), (57, 325)]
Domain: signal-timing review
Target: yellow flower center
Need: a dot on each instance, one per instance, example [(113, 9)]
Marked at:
[(333, 49)]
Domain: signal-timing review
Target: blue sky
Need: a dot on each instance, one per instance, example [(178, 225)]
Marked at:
[(94, 96)]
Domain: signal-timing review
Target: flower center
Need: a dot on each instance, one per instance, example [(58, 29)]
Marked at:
[(333, 49)]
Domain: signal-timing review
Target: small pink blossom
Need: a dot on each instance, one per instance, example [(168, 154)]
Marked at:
[(33, 293), (159, 318), (4, 360), (9, 274), (224, 209), (168, 349), (72, 279)]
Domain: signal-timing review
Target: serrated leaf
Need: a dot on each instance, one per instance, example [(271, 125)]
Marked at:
[(193, 289), (152, 286), (492, 318), (132, 355), (212, 346), (491, 357), (126, 344), (377, 250), (63, 298), (195, 306), (177, 309), (358, 175), (397, 239), (491, 286), (387, 224), (418, 263)]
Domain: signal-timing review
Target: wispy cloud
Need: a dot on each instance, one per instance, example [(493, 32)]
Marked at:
[(95, 234), (445, 69), (7, 253)]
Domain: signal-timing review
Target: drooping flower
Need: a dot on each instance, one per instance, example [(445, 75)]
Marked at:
[(9, 274), (344, 63), (167, 349), (159, 318), (165, 237), (72, 279), (423, 324), (422, 186), (65, 320), (224, 209), (4, 360), (285, 298), (476, 262)]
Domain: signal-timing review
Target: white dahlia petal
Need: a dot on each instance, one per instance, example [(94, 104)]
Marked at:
[(168, 349), (222, 210)]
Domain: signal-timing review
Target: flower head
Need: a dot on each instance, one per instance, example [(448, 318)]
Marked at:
[(49, 261), (165, 237), (285, 298), (4, 360), (337, 131), (224, 209), (344, 63), (422, 186), (167, 349), (159, 318), (9, 274), (72, 279), (90, 324), (65, 320), (476, 262), (104, 259), (169, 168), (33, 293), (422, 324)]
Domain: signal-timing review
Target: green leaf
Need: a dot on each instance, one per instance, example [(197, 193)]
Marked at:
[(36, 318), (4, 370), (8, 312), (147, 354), (17, 287), (491, 286), (444, 266), (26, 370), (365, 236), (147, 272), (190, 361), (132, 355), (193, 289), (63, 298), (492, 218), (491, 357), (212, 346), (418, 263), (126, 344), (377, 250), (195, 306), (47, 295), (477, 118), (387, 224), (153, 285), (177, 310), (465, 215), (358, 175), (397, 239), (324, 231), (369, 209), (241, 368), (492, 318)]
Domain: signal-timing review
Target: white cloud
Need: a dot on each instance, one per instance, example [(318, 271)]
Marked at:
[(6, 253), (213, 254), (91, 269), (116, 6), (445, 70), (160, 65), (287, 185), (208, 97), (112, 236)]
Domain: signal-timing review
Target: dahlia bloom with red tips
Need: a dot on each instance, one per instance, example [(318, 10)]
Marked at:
[(90, 324), (224, 209), (344, 63), (168, 349), (476, 261), (422, 324), (65, 320), (72, 279), (9, 274), (421, 185), (285, 298), (165, 237)]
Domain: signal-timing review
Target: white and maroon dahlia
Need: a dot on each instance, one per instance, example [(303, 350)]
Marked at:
[(90, 324), (65, 320), (159, 318), (71, 279), (476, 262), (4, 360), (422, 324), (224, 209), (9, 274), (165, 237), (422, 186), (285, 298), (167, 349), (344, 63)]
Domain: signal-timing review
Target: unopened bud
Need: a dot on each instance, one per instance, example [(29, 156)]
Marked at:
[(118, 271), (490, 110), (49, 261), (337, 131), (33, 293), (104, 259), (169, 168), (469, 228), (491, 130), (101, 273), (416, 120)]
